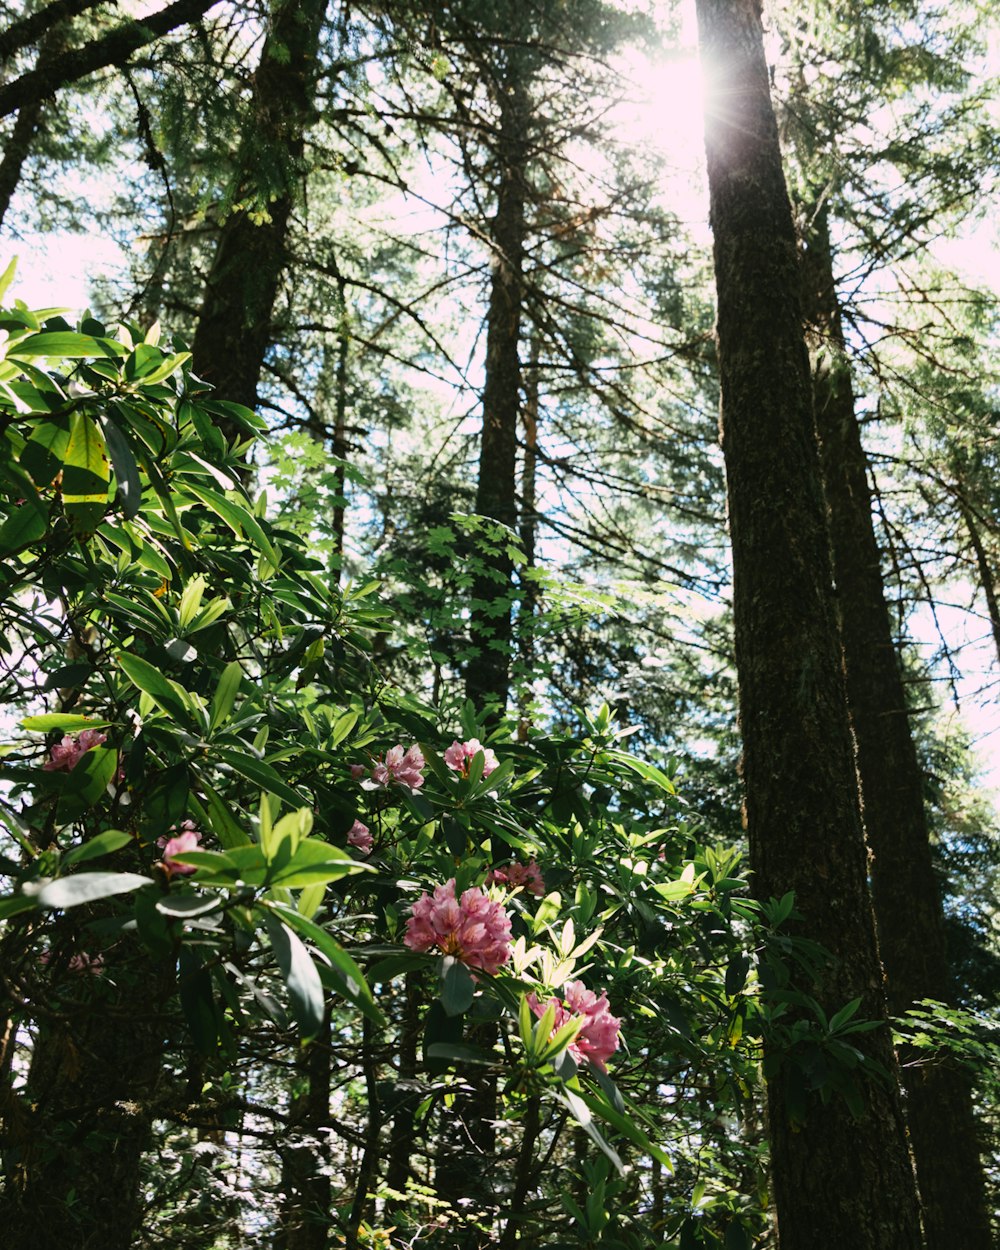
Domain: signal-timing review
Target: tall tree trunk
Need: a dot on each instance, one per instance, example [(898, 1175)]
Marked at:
[(235, 324), (839, 1180), (488, 676), (528, 531), (987, 579), (908, 911), (83, 1120)]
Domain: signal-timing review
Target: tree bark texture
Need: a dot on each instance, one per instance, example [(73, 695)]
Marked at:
[(838, 1181), (908, 912), (30, 29), (112, 49), (75, 1142), (488, 676), (27, 124), (306, 1191), (235, 324)]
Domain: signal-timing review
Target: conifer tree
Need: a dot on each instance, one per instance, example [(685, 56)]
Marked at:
[(839, 1179)]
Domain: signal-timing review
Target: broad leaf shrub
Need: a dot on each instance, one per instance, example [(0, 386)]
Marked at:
[(222, 820)]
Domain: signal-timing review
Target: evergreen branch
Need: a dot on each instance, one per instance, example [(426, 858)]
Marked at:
[(29, 30), (111, 50)]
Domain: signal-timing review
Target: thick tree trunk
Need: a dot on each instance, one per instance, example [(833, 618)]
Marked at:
[(908, 911), (72, 1165), (838, 1180), (488, 676), (234, 327)]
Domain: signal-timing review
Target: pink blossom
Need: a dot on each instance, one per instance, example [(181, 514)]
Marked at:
[(358, 836), (82, 962), (180, 844), (528, 875), (358, 771), (475, 929), (461, 754), (65, 755), (598, 1037), (401, 767)]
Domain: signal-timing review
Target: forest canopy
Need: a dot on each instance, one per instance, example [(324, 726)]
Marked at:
[(449, 795)]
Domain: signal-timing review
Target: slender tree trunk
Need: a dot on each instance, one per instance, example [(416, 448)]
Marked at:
[(839, 1181), (528, 530), (488, 676), (908, 911), (987, 578), (399, 1168), (305, 1212), (340, 428), (235, 324)]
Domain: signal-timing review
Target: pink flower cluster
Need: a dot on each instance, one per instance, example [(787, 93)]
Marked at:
[(83, 962), (403, 767), (474, 929), (598, 1038), (461, 754), (358, 836), (528, 875), (65, 755), (179, 843)]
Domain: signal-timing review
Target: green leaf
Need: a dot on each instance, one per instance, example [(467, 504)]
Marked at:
[(43, 454), (580, 1112), (220, 818), (626, 1126), (737, 1238), (352, 982), (225, 694), (68, 722), (125, 467), (14, 904), (86, 887), (190, 601), (844, 1014), (170, 366), (238, 518), (64, 345), (27, 524), (461, 1054), (86, 475), (457, 987), (150, 680), (187, 906), (314, 862), (263, 775), (7, 277), (102, 844), (305, 989), (648, 772)]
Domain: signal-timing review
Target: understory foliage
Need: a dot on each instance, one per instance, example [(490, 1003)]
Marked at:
[(538, 994)]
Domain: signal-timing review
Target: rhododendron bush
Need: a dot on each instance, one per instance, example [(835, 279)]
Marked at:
[(265, 895)]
